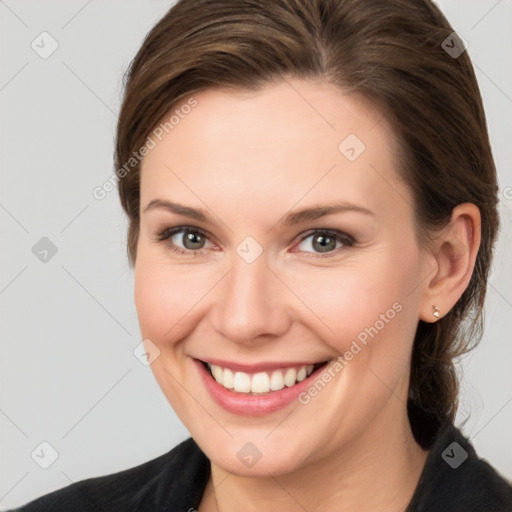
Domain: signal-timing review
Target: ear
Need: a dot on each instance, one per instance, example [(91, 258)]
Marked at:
[(453, 255)]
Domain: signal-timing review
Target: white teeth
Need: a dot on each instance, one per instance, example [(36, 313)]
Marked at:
[(290, 377), (242, 382), (301, 374), (227, 378), (276, 381), (217, 372), (261, 382)]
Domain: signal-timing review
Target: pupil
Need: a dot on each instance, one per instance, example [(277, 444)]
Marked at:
[(193, 238), (327, 243)]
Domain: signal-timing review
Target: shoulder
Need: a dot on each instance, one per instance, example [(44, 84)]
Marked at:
[(169, 482), (455, 478)]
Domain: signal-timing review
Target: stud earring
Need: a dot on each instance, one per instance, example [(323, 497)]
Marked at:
[(436, 312)]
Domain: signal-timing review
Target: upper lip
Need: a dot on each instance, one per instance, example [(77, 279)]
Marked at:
[(259, 367)]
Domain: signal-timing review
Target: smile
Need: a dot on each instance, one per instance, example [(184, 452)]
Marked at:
[(261, 382), (256, 390)]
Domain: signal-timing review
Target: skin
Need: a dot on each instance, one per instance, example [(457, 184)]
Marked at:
[(248, 159)]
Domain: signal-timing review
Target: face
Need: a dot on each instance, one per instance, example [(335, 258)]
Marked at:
[(277, 243)]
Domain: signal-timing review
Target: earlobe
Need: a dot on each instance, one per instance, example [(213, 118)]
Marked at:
[(455, 250)]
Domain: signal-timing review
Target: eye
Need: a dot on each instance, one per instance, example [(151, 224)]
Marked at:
[(325, 242), (192, 239)]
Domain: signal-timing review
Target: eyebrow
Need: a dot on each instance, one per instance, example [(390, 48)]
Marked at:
[(291, 219)]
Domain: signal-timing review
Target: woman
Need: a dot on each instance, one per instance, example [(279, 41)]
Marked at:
[(312, 204)]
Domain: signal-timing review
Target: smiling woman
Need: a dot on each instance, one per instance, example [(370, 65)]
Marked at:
[(311, 246)]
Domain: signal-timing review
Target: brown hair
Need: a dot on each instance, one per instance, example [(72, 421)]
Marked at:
[(391, 53)]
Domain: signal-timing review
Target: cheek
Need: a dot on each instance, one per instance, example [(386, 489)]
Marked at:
[(161, 298), (169, 298), (371, 302)]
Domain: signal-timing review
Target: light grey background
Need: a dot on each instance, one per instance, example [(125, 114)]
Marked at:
[(69, 325)]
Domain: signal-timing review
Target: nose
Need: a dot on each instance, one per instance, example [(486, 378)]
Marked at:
[(252, 303)]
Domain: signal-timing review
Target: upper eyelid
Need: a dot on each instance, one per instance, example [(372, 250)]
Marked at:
[(336, 232)]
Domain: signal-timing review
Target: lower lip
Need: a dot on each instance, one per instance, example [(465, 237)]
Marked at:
[(252, 405)]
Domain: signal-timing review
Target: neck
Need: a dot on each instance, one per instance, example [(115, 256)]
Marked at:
[(379, 470)]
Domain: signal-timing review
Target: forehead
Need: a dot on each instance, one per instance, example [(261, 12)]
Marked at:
[(285, 141)]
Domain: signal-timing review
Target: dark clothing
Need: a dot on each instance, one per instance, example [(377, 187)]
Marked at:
[(454, 479), (446, 486)]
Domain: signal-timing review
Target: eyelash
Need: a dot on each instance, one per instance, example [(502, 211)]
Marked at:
[(339, 236)]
